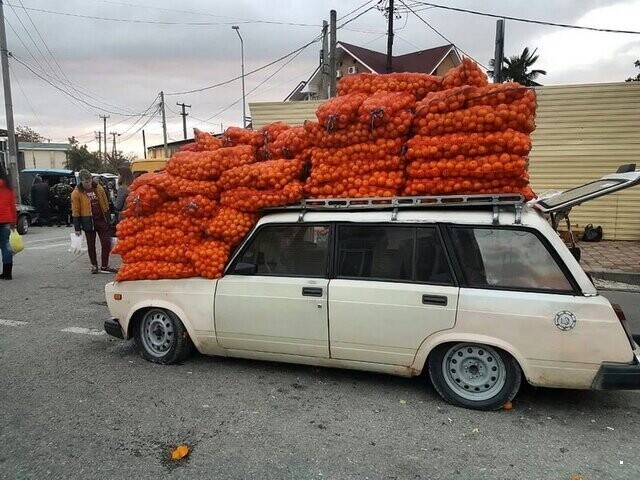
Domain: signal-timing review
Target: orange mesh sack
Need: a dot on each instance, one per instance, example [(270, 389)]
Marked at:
[(206, 142), (460, 185), (183, 187), (290, 143), (467, 73), (382, 107), (209, 165), (145, 253), (151, 270), (468, 145), (251, 200), (143, 201), (418, 84), (328, 173), (338, 112), (131, 226), (271, 174), (198, 206), (486, 167), (155, 236), (271, 131), (230, 225), (234, 136), (209, 258), (338, 190)]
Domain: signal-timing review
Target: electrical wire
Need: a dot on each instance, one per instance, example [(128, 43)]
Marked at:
[(252, 90), (43, 76), (15, 77), (155, 113), (48, 50), (356, 9), (161, 22), (441, 35), (527, 20)]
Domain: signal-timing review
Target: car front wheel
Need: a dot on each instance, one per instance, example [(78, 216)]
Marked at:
[(161, 337), (474, 376)]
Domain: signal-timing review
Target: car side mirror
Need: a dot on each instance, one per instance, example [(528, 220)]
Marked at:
[(246, 269)]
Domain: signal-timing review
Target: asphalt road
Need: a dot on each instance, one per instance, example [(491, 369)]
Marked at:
[(76, 403)]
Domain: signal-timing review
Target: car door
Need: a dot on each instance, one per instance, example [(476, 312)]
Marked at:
[(273, 298), (393, 287), (516, 289)]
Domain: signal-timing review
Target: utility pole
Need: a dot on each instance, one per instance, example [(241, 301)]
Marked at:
[(144, 144), (184, 118), (390, 39), (104, 137), (8, 107), (244, 104), (324, 64), (499, 52), (99, 138), (164, 125), (114, 150), (333, 63)]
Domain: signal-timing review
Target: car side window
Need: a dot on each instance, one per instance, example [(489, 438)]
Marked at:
[(376, 252), (432, 265), (286, 250), (507, 258)]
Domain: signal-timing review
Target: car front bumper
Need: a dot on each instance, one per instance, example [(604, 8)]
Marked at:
[(112, 327)]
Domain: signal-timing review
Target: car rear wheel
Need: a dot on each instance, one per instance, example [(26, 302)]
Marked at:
[(474, 376), (23, 224), (161, 337)]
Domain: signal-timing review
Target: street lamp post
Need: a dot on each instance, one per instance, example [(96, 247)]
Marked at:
[(244, 111)]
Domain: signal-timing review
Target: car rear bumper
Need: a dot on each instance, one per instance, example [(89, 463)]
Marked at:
[(112, 327), (616, 376)]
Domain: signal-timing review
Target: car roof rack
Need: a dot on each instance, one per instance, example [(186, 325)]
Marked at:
[(493, 201)]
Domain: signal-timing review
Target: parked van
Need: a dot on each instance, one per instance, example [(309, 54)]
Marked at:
[(477, 291), (141, 166)]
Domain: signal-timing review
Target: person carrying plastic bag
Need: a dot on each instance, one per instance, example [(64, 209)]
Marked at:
[(90, 207), (8, 219)]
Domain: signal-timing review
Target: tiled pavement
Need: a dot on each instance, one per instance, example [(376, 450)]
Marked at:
[(610, 256)]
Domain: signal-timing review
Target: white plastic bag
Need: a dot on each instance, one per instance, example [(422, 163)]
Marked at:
[(76, 244), (114, 242)]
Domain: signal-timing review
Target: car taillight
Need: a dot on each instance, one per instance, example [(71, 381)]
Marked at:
[(623, 321)]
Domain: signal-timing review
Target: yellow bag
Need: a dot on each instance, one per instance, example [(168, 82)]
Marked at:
[(15, 242)]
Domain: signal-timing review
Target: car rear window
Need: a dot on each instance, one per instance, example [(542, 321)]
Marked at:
[(507, 258)]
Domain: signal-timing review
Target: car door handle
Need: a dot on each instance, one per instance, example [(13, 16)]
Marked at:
[(311, 292), (434, 300)]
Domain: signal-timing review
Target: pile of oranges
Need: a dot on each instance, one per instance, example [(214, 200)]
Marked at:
[(384, 135)]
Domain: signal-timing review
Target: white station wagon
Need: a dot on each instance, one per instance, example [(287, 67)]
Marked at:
[(478, 291)]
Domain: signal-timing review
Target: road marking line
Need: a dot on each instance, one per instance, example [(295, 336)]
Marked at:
[(44, 240), (12, 323), (46, 247), (85, 331)]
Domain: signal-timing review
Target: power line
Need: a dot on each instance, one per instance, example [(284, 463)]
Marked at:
[(47, 48), (356, 9), (161, 22), (441, 35), (43, 76), (252, 90), (527, 20)]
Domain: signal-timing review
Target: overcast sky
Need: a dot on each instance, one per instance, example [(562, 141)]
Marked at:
[(190, 44)]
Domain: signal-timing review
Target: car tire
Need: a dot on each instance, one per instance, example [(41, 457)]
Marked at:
[(22, 225), (473, 375), (161, 337)]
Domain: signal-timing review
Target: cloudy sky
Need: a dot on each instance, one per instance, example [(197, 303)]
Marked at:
[(116, 61)]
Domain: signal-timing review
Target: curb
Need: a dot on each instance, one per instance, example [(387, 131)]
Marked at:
[(631, 278)]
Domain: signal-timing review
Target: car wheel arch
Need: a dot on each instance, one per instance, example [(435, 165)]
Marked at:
[(440, 338), (138, 311)]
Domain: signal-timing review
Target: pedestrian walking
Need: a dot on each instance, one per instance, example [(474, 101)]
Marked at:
[(8, 220), (90, 207), (40, 199), (61, 194), (124, 182)]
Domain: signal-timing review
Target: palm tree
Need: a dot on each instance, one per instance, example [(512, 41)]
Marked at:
[(516, 68)]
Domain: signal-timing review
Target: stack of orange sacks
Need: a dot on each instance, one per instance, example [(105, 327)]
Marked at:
[(186, 221), (358, 139), (471, 137)]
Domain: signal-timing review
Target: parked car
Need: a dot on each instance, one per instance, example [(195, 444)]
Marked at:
[(477, 291), (26, 216)]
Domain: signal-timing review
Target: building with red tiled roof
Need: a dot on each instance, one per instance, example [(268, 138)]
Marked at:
[(353, 59)]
